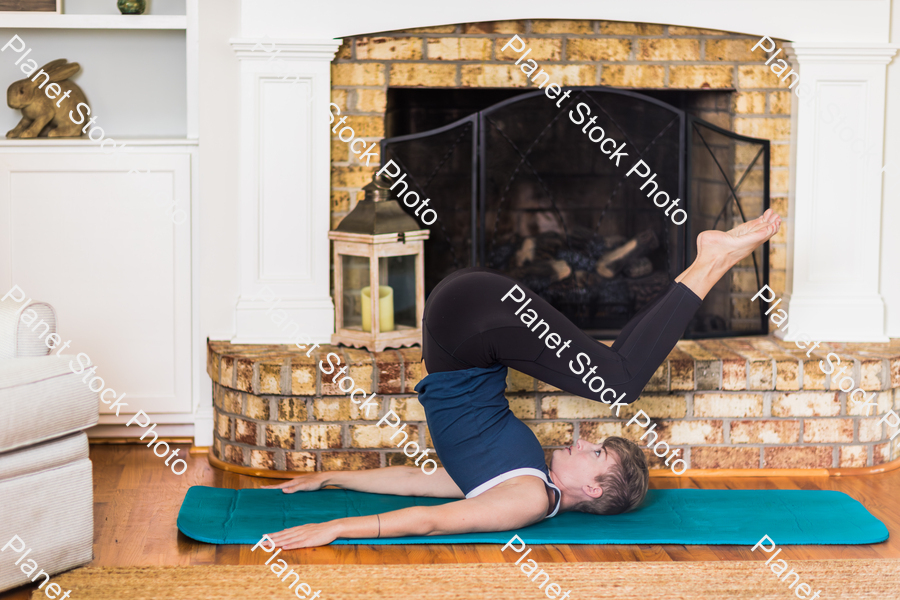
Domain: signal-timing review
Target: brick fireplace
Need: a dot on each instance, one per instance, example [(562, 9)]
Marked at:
[(738, 403), (751, 100)]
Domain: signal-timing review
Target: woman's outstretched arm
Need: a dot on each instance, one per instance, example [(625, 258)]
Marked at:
[(513, 504), (399, 481)]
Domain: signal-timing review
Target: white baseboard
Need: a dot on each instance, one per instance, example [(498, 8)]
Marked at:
[(120, 431), (167, 425), (160, 418)]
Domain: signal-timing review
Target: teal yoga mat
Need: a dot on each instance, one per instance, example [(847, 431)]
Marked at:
[(679, 516)]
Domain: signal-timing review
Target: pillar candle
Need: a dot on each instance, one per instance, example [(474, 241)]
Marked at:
[(385, 308)]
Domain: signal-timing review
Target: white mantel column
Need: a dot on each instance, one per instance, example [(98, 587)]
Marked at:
[(285, 169), (838, 137)]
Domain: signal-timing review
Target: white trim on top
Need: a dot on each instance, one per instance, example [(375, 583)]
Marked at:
[(518, 473)]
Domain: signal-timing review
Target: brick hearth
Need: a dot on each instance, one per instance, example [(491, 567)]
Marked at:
[(738, 403)]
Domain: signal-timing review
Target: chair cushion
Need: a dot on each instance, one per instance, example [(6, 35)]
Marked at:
[(50, 507), (46, 455), (41, 399)]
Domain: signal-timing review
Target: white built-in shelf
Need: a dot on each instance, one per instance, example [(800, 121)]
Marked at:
[(83, 142), (37, 20)]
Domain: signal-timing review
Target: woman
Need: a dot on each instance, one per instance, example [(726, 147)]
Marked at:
[(474, 328)]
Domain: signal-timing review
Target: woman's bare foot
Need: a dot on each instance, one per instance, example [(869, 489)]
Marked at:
[(718, 251)]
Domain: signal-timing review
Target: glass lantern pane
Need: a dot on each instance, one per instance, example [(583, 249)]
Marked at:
[(398, 273), (356, 277)]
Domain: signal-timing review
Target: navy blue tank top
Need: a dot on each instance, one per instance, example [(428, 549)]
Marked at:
[(479, 440)]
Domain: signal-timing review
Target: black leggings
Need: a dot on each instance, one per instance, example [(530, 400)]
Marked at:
[(467, 325)]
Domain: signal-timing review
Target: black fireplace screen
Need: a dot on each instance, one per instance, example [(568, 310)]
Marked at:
[(521, 188)]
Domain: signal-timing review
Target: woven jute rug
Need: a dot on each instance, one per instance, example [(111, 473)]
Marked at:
[(845, 579)]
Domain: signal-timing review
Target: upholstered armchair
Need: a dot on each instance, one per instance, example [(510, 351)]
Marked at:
[(46, 490)]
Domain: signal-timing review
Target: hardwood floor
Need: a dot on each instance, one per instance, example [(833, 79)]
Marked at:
[(136, 502)]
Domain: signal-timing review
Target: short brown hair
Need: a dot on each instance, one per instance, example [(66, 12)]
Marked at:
[(624, 484)]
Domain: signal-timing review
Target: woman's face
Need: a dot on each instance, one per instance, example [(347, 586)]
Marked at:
[(578, 466)]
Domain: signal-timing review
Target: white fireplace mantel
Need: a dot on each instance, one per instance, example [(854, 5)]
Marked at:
[(798, 20), (838, 279), (284, 189), (838, 134)]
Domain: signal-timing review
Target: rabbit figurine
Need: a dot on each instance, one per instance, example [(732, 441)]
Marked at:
[(44, 115)]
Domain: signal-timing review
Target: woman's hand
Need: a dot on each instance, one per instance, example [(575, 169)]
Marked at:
[(307, 536), (304, 483)]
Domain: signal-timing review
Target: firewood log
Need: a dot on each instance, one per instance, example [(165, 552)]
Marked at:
[(614, 261), (525, 254), (548, 245), (538, 275), (562, 268), (639, 267)]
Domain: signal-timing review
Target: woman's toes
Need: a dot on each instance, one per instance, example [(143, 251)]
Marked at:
[(759, 226)]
